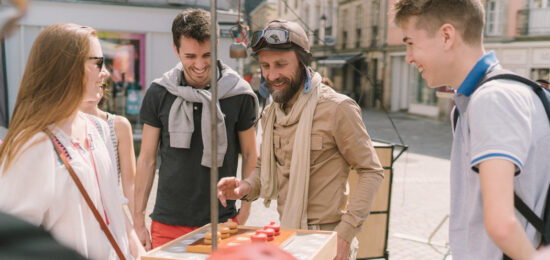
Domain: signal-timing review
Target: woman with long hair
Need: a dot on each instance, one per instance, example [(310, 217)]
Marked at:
[(122, 141), (65, 67)]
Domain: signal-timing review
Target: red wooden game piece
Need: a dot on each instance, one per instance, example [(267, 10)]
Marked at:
[(275, 227), (269, 233), (258, 237)]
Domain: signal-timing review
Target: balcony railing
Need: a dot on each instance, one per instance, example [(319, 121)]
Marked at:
[(534, 22)]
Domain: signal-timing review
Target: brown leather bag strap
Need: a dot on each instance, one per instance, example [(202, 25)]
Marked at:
[(86, 196)]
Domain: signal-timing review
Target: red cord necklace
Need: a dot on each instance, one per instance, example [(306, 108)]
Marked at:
[(90, 150)]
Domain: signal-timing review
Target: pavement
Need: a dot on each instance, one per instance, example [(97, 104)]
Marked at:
[(420, 191)]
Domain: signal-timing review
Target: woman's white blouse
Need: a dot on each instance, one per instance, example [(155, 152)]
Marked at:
[(37, 187)]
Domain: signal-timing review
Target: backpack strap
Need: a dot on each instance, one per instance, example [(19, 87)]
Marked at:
[(456, 114), (542, 225), (539, 90)]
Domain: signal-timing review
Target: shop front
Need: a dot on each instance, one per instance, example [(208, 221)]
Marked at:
[(136, 42)]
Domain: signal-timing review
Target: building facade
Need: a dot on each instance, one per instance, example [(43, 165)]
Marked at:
[(347, 39), (262, 14), (356, 44), (518, 31), (135, 35)]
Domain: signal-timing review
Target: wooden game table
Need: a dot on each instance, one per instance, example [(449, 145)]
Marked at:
[(302, 244)]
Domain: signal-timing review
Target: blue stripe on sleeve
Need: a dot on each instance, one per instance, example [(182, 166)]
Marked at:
[(514, 159)]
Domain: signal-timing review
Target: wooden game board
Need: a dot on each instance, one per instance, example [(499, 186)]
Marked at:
[(295, 242), (241, 237)]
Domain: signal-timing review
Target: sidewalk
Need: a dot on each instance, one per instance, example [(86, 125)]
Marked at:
[(421, 190)]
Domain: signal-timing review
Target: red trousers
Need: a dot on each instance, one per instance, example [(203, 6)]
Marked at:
[(164, 233)]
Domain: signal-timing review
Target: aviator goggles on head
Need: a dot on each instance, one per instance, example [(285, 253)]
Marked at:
[(272, 36)]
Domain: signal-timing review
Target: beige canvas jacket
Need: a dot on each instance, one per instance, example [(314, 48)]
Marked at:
[(339, 142)]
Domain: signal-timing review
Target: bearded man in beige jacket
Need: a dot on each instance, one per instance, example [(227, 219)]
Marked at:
[(312, 137)]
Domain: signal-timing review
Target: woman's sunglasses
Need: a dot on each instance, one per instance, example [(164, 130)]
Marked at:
[(99, 62)]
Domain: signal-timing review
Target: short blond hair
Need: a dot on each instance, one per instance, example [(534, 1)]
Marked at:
[(467, 16)]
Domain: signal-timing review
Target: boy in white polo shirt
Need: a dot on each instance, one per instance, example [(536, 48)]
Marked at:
[(500, 136)]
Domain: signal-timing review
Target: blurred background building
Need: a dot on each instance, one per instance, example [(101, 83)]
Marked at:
[(353, 42), (356, 44), (517, 30), (135, 35)]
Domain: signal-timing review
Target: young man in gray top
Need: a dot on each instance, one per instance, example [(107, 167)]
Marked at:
[(500, 135)]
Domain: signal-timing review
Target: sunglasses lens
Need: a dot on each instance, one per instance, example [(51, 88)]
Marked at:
[(276, 36), (256, 36), (100, 63)]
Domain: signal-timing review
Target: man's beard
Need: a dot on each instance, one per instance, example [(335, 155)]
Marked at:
[(286, 94)]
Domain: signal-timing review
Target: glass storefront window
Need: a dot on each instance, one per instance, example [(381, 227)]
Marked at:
[(420, 92), (540, 73), (125, 60)]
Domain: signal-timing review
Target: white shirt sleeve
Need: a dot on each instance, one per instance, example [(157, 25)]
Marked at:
[(27, 187)]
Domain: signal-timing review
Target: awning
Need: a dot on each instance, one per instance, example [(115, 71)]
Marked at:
[(340, 60)]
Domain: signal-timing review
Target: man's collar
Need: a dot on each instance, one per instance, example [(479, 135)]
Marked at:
[(476, 74)]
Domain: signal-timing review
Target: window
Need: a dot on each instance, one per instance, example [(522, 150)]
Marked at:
[(123, 58), (344, 39), (540, 3), (328, 13), (358, 38), (420, 92), (540, 73), (494, 18), (375, 10), (358, 25), (345, 27), (359, 16), (306, 14), (316, 39), (317, 15)]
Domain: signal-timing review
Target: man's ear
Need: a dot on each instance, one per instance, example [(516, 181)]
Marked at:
[(448, 34)]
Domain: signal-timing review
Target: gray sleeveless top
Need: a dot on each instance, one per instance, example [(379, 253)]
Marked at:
[(114, 140)]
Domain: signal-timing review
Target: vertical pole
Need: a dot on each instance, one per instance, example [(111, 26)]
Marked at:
[(213, 123)]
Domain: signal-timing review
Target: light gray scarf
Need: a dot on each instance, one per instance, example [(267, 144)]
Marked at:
[(180, 119)]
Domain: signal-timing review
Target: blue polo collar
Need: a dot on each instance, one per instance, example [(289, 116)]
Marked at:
[(476, 74)]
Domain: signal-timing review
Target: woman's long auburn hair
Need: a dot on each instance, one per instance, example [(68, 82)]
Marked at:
[(52, 87)]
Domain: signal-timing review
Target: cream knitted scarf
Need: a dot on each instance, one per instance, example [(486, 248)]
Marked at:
[(294, 214)]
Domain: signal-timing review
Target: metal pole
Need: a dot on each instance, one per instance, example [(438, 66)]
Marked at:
[(213, 120)]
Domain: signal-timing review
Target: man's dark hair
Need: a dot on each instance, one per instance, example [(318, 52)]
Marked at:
[(467, 16), (191, 23), (542, 81), (303, 56)]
